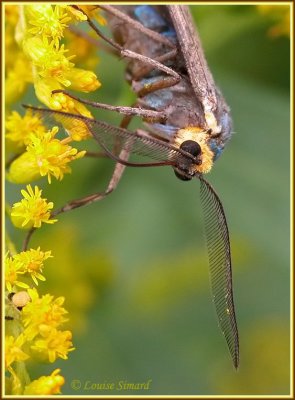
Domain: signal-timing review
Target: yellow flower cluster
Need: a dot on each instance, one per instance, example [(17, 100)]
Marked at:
[(45, 155), (52, 68), (33, 322), (40, 339), (41, 318), (32, 333), (26, 263), (19, 129), (33, 35), (13, 350), (36, 55), (36, 31)]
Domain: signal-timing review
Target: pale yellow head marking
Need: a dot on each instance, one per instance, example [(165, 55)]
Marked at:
[(200, 136)]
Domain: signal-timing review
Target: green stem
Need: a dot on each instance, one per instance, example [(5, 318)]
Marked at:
[(23, 378)]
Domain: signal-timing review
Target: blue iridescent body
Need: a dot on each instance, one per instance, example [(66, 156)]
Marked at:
[(180, 102)]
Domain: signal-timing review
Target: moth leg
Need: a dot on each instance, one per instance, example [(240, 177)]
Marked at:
[(84, 201), (157, 37), (113, 183), (166, 82), (144, 70), (138, 26), (151, 115), (148, 63), (96, 154), (133, 55), (117, 174)]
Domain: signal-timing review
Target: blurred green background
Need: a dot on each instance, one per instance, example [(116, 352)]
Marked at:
[(133, 268)]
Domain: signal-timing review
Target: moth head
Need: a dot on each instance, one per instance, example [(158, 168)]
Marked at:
[(194, 140)]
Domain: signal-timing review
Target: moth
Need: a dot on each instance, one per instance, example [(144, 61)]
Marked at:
[(187, 124)]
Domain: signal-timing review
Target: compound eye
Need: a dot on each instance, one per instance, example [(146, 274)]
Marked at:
[(181, 176), (192, 147)]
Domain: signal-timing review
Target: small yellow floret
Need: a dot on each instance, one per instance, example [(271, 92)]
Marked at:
[(33, 210), (20, 128), (45, 156), (46, 385), (32, 262), (53, 343), (83, 80), (13, 269), (46, 20), (13, 351), (42, 311), (49, 59)]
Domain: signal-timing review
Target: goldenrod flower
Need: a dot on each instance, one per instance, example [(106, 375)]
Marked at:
[(42, 311), (49, 58), (67, 104), (23, 169), (46, 385), (39, 31), (76, 129), (82, 80), (47, 21), (62, 102), (58, 101), (32, 262), (32, 210), (13, 268), (45, 155), (20, 128), (53, 344), (13, 351), (52, 155)]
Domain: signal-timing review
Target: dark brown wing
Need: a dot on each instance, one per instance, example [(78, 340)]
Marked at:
[(192, 51), (220, 267), (216, 110)]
